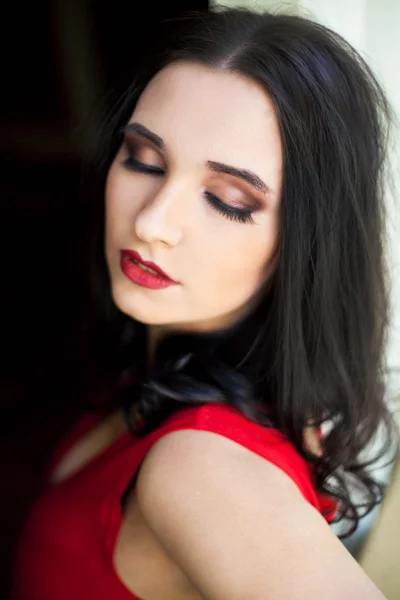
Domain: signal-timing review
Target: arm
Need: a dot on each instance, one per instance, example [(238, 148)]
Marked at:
[(238, 527)]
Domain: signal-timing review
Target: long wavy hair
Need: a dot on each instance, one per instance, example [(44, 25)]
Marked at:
[(311, 352)]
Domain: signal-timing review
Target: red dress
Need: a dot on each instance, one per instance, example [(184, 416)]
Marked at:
[(66, 548)]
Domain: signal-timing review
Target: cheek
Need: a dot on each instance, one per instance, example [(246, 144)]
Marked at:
[(120, 207), (111, 196), (246, 257), (116, 221)]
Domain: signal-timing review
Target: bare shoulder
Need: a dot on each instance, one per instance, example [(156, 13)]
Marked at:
[(238, 526)]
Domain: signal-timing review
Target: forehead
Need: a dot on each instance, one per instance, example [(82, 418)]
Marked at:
[(212, 114)]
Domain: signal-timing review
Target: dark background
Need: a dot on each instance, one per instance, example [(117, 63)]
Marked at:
[(62, 61)]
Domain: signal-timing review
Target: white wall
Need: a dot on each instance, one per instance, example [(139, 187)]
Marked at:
[(382, 45), (373, 28)]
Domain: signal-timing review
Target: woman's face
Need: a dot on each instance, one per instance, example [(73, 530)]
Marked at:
[(195, 189)]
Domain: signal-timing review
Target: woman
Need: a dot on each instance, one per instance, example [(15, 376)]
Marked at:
[(243, 244)]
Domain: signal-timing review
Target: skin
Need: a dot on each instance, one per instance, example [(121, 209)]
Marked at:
[(238, 527), (201, 522), (221, 264)]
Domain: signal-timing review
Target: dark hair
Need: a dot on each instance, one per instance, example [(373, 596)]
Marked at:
[(311, 351)]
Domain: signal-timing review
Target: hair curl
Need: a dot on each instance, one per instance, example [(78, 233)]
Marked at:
[(312, 350)]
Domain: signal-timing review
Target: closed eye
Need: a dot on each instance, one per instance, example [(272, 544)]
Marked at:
[(132, 164), (239, 215), (242, 215)]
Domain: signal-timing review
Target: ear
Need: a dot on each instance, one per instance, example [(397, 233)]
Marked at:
[(311, 439)]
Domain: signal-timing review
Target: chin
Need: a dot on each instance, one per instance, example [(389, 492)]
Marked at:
[(139, 308)]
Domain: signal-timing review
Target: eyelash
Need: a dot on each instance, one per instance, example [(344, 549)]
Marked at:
[(233, 214)]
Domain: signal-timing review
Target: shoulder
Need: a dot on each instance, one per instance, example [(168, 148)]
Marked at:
[(207, 466), (238, 526)]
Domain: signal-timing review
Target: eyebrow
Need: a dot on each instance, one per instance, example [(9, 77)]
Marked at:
[(146, 133), (244, 174), (212, 165)]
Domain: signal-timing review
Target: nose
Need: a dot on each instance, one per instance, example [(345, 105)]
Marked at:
[(160, 218)]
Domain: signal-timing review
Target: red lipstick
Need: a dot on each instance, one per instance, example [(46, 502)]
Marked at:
[(135, 268)]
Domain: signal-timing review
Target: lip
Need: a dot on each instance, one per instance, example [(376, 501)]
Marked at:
[(136, 274)]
